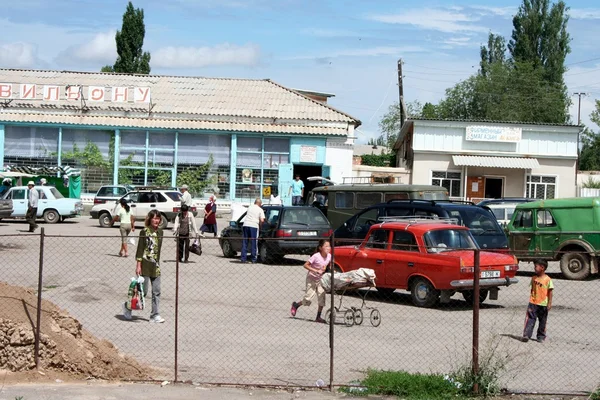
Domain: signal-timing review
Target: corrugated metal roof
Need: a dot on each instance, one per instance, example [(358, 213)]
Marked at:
[(496, 162), (492, 122), (193, 96), (179, 124)]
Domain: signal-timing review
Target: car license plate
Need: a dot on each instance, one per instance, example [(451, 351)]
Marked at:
[(490, 274), (307, 233)]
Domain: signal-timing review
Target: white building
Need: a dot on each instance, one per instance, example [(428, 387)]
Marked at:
[(476, 160)]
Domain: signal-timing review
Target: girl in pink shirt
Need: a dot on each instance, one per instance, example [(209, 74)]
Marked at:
[(316, 266)]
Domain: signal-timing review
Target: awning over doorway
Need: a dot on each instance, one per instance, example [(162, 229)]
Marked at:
[(496, 162)]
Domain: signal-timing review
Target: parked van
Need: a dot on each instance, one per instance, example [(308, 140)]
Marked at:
[(559, 229), (340, 202), (480, 220)]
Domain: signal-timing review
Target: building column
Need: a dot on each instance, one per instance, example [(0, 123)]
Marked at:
[(59, 153), (116, 156), (233, 167), (466, 182), (1, 147), (175, 161), (146, 160)]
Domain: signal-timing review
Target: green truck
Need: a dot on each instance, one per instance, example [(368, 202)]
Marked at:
[(565, 230)]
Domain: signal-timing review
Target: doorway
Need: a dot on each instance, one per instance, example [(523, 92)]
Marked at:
[(493, 188), (306, 171)]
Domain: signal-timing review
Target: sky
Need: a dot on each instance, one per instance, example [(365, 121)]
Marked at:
[(349, 48)]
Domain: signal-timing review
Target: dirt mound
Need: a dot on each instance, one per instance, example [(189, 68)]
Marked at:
[(65, 346)]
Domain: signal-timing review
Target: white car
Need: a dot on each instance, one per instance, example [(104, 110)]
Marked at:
[(52, 205), (141, 201)]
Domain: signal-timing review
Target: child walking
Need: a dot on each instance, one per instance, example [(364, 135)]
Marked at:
[(540, 302), (316, 266)]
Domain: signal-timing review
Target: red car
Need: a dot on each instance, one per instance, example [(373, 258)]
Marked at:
[(431, 259)]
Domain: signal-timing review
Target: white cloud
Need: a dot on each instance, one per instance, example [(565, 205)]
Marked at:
[(330, 33), (433, 19), (366, 52), (195, 57), (101, 48), (585, 13), (496, 11), (18, 55), (458, 41)]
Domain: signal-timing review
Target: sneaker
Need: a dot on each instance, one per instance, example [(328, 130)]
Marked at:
[(201, 234), (294, 309), (157, 319), (126, 312), (524, 339), (320, 320), (540, 340)]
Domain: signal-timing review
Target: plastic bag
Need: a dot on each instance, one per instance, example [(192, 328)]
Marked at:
[(196, 247), (132, 241), (135, 294)]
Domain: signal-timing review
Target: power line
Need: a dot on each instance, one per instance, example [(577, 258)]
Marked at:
[(437, 73), (583, 62), (440, 69)]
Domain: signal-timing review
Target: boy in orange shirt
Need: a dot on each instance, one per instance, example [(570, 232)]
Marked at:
[(540, 302)]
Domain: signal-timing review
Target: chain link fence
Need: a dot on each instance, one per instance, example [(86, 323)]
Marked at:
[(229, 322)]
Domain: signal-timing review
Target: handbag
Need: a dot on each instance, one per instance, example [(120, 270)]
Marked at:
[(196, 247)]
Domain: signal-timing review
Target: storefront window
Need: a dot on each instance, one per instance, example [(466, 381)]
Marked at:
[(257, 168), (450, 180), (541, 187)]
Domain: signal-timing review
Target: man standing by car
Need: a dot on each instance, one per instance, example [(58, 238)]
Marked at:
[(186, 197), (254, 217), (32, 205), (297, 191)]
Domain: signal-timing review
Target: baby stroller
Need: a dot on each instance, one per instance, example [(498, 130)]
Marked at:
[(342, 282)]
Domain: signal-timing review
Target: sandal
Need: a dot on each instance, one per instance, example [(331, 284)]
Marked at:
[(294, 309)]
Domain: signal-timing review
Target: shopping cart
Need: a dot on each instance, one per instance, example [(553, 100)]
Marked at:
[(351, 281)]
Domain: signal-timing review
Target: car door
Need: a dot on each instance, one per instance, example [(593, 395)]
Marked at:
[(235, 233), (400, 261), (521, 234), (19, 199), (132, 199), (44, 201), (144, 205), (548, 233), (375, 249), (270, 224), (363, 223)]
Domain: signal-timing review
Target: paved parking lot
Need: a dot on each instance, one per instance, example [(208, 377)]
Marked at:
[(234, 324)]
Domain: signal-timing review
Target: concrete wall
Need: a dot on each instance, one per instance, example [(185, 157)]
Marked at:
[(564, 170), (339, 157), (514, 179), (423, 164)]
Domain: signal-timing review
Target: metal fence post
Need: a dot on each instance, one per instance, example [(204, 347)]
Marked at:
[(176, 304), (39, 301), (331, 314), (475, 366)]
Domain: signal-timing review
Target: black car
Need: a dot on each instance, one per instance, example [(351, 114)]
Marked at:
[(286, 230), (479, 219)]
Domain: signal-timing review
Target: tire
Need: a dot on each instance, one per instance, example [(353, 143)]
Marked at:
[(375, 317), (386, 292), (164, 222), (227, 249), (263, 254), (349, 318), (423, 294), (51, 216), (329, 314), (105, 220), (575, 266), (468, 295), (358, 317)]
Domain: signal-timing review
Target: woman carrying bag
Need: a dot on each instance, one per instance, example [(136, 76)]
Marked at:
[(185, 225)]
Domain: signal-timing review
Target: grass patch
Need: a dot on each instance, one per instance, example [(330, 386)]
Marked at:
[(51, 287), (595, 395), (405, 385)]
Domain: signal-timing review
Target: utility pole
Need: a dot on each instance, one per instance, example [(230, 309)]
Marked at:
[(401, 94), (579, 94), (579, 108)]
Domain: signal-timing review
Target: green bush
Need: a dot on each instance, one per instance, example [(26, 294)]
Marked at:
[(591, 183)]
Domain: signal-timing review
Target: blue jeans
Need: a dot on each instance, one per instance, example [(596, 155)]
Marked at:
[(296, 200), (535, 312), (252, 235)]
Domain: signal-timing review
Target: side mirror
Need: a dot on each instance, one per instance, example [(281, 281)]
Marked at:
[(356, 247)]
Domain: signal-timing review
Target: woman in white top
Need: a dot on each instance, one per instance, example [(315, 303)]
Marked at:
[(127, 225)]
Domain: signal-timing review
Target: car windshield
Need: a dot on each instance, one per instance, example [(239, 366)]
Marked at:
[(303, 216), (479, 220), (448, 239), (56, 193)]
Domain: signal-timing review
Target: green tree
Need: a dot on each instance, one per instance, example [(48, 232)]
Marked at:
[(390, 122), (131, 59), (589, 158), (494, 52)]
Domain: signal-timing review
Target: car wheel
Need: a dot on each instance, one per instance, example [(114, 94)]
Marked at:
[(164, 222), (468, 295), (575, 266), (51, 216), (105, 220), (423, 294), (227, 249), (264, 254), (385, 291)]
